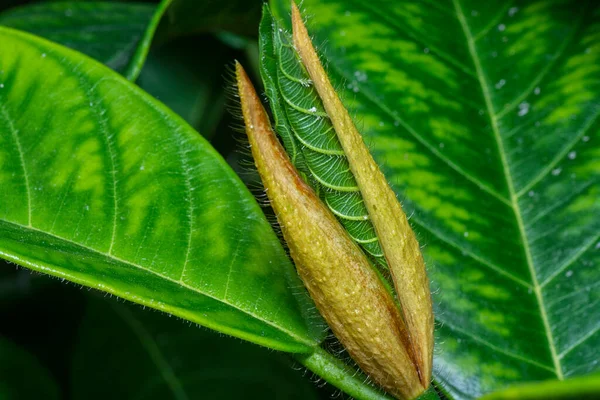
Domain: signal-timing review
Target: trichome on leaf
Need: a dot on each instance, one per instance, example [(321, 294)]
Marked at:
[(392, 341)]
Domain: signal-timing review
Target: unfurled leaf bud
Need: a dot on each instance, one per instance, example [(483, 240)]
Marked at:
[(397, 239), (347, 291)]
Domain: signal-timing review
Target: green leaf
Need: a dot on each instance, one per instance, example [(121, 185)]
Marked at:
[(22, 376), (103, 186), (186, 83), (141, 354), (116, 34), (484, 117), (579, 388)]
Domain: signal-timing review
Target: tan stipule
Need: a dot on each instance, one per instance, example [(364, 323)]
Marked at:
[(339, 278), (397, 239)]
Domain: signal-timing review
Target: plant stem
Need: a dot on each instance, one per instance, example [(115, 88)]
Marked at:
[(340, 375), (348, 379)]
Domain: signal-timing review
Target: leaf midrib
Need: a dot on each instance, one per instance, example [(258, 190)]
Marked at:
[(512, 194), (184, 285)]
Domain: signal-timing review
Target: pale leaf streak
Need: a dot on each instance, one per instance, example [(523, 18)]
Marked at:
[(560, 203), (230, 269), (155, 353), (586, 246), (415, 220), (577, 292), (66, 191), (393, 23), (535, 82), (15, 135), (190, 206), (494, 347), (259, 294), (112, 257), (146, 232), (433, 149), (494, 21), (560, 155), (509, 180), (96, 102), (580, 341)]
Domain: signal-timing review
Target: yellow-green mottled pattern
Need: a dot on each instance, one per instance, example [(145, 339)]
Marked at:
[(484, 117), (104, 186)]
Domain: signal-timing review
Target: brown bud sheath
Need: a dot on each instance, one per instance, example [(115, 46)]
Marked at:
[(339, 278), (397, 239)]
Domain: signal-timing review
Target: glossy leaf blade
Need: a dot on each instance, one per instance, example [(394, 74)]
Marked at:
[(104, 186), (112, 33), (186, 82), (578, 388), (485, 118)]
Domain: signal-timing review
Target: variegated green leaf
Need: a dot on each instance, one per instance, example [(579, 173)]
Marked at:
[(484, 116), (103, 186)]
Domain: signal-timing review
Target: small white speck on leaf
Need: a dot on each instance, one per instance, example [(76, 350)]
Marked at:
[(512, 11), (556, 171), (501, 27), (537, 91), (500, 84), (523, 109), (572, 155)]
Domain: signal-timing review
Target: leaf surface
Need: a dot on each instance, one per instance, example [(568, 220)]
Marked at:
[(186, 83), (112, 33), (585, 387), (141, 354), (485, 119), (104, 186)]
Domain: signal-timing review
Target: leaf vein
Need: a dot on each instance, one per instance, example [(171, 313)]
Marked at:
[(514, 200), (15, 136), (193, 289)]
